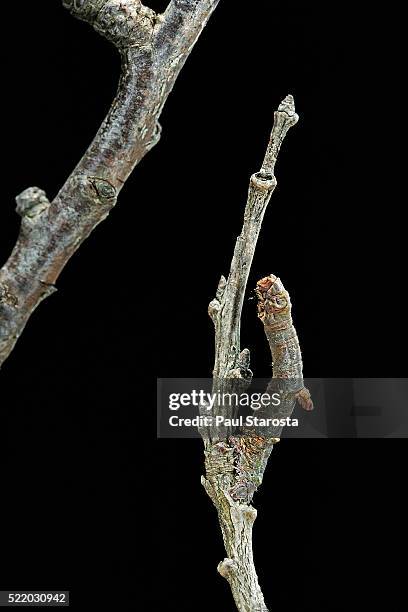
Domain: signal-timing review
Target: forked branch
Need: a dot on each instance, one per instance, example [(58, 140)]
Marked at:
[(235, 464)]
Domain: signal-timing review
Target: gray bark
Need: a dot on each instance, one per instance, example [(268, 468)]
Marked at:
[(153, 49), (235, 464)]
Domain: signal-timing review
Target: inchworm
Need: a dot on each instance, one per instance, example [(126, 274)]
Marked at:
[(252, 448), (274, 310)]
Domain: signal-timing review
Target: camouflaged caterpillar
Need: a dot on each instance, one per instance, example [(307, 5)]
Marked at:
[(274, 310)]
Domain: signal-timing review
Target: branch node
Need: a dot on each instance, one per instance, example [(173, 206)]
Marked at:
[(31, 203), (250, 514), (227, 567), (156, 137), (49, 288), (244, 359), (264, 181), (214, 308), (105, 190), (244, 374), (221, 288), (242, 370)]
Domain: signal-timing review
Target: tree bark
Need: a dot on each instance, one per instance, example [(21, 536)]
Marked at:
[(153, 49)]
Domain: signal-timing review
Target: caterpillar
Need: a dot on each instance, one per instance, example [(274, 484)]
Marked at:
[(275, 312), (252, 448)]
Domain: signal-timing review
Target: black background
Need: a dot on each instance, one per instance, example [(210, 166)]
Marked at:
[(86, 490)]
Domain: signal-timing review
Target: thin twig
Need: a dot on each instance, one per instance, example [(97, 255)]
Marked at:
[(226, 308)]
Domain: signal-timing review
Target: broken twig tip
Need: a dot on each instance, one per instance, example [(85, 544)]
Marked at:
[(287, 105)]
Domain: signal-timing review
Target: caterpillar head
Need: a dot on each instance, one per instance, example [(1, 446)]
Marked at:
[(274, 307)]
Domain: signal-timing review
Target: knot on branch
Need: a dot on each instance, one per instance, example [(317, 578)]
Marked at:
[(215, 305), (47, 289), (250, 514), (31, 203), (155, 137), (126, 23), (242, 369), (105, 191), (90, 198), (243, 491), (222, 283), (227, 567), (214, 308), (264, 181)]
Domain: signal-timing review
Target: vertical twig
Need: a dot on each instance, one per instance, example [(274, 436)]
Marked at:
[(235, 464)]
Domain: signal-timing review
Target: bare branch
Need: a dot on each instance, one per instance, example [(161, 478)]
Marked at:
[(153, 50), (226, 309)]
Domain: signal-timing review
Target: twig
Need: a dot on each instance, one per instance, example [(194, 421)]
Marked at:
[(153, 49), (226, 308), (235, 464)]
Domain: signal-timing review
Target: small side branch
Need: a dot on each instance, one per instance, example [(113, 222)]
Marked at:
[(236, 521)]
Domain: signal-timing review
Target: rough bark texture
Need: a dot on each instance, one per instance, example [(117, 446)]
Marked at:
[(153, 49), (235, 464)]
